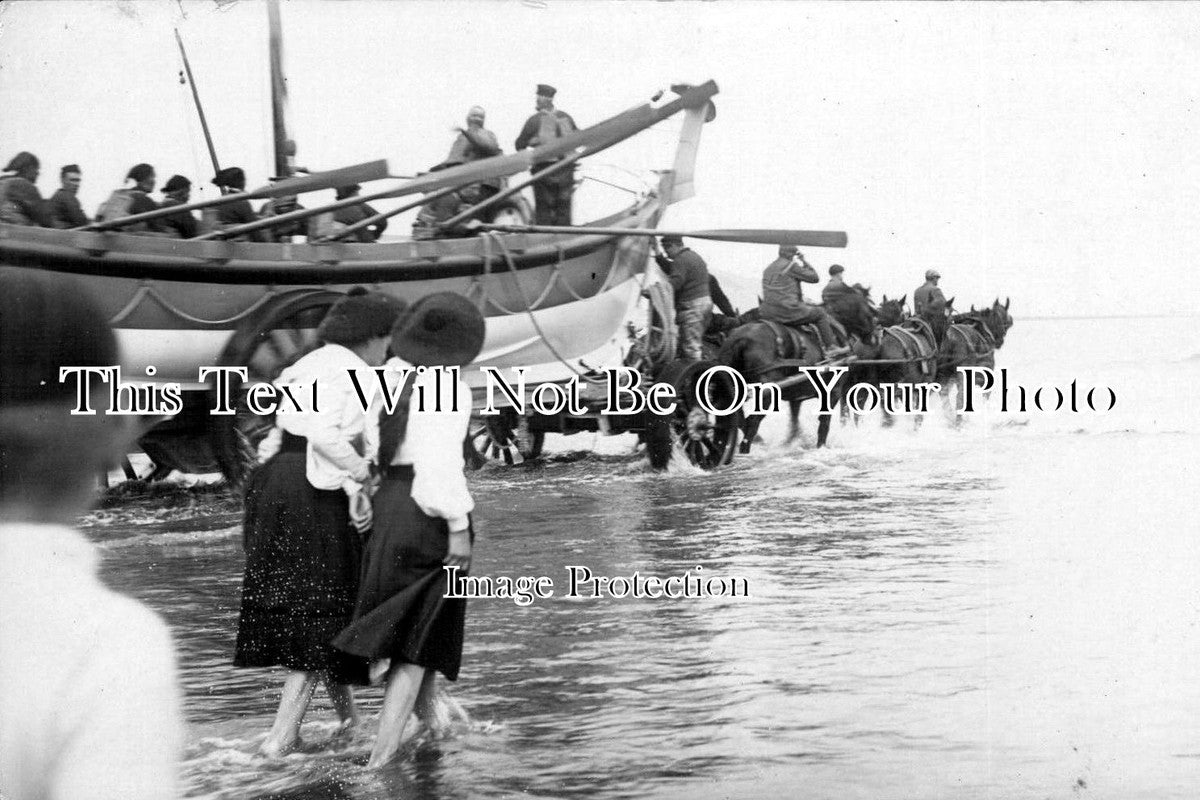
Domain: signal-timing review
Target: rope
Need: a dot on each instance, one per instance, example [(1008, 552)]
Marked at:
[(512, 267), (147, 291)]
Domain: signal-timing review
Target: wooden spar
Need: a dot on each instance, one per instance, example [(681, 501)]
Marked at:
[(187, 67), (596, 138), (380, 217), (305, 213), (358, 173), (285, 148), (557, 166), (780, 236), (611, 131)]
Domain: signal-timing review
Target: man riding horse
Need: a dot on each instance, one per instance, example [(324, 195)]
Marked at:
[(783, 298)]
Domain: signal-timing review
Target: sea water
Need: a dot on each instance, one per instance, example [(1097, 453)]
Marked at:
[(1003, 608)]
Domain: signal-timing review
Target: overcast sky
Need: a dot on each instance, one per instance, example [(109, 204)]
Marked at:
[(1043, 151)]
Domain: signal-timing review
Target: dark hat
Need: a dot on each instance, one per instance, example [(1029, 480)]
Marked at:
[(177, 183), (70, 168), (439, 330), (836, 269), (231, 178), (347, 191), (47, 321), (789, 250), (22, 161), (140, 172), (545, 90), (671, 238), (359, 316)]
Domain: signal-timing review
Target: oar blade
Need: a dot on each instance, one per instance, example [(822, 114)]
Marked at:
[(330, 179), (779, 236)]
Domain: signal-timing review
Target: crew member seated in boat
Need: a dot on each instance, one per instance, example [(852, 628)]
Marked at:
[(232, 180), (64, 204), (284, 204), (20, 201), (689, 279), (437, 211), (551, 194), (928, 299), (182, 224), (344, 217), (134, 198), (475, 142), (783, 297)]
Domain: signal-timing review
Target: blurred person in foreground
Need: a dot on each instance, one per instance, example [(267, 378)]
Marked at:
[(89, 699)]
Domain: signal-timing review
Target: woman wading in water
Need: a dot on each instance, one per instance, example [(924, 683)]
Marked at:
[(402, 621), (306, 508)]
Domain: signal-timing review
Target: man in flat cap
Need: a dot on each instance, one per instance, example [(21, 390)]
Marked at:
[(928, 299), (182, 224), (783, 298), (64, 203), (552, 194), (688, 275)]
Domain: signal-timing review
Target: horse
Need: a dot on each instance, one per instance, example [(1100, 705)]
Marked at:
[(972, 340), (764, 351)]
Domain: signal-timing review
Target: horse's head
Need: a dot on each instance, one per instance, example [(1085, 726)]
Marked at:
[(855, 311), (891, 312), (999, 320)]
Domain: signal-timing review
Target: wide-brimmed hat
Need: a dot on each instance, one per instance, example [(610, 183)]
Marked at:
[(359, 316), (439, 330), (47, 322), (930, 274)]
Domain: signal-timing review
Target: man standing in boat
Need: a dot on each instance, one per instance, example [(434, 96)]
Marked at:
[(551, 194), (64, 204), (783, 298), (693, 305), (475, 142)]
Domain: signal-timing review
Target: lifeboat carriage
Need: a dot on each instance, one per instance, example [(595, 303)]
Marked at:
[(550, 295)]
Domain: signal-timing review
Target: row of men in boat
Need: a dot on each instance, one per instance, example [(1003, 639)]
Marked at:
[(21, 202), (697, 292)]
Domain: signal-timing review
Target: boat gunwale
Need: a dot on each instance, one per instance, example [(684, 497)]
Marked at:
[(331, 263)]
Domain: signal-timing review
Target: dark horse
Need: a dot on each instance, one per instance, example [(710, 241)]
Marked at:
[(972, 341), (905, 350), (769, 352)]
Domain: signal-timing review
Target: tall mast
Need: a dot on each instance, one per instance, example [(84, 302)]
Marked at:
[(285, 148), (212, 152)]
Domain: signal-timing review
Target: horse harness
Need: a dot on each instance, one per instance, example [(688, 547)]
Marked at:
[(922, 352), (982, 335)]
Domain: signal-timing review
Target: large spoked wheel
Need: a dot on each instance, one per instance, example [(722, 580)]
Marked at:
[(706, 439), (265, 345), (504, 439)]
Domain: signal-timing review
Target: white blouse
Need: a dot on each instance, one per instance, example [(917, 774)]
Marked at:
[(89, 697), (332, 431), (433, 445)]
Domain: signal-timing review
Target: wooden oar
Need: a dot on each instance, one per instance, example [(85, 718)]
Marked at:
[(359, 173), (780, 236)]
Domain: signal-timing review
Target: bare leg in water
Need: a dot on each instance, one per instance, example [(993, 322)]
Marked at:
[(403, 686), (298, 690)]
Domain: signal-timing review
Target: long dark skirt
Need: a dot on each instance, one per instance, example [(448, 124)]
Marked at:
[(402, 613), (303, 561)]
